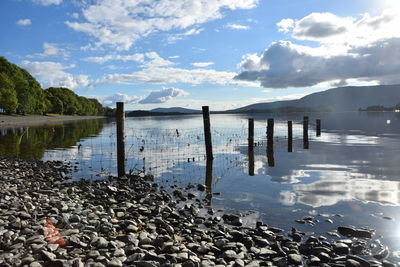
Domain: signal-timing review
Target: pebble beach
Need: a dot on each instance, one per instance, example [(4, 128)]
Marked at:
[(132, 221)]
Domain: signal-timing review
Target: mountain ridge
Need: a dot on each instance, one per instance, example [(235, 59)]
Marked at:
[(349, 98)]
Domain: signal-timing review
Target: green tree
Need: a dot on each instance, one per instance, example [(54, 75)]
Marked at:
[(8, 96), (32, 99)]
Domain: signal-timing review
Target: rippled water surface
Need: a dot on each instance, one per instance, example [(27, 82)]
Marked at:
[(352, 169)]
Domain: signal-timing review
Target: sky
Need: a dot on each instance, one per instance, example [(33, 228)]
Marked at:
[(189, 53)]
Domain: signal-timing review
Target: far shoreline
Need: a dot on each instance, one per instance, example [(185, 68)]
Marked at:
[(12, 121)]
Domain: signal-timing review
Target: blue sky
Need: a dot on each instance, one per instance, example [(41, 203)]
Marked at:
[(189, 53)]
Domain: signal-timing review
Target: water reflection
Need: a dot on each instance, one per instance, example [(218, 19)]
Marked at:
[(251, 161), (32, 142), (336, 186), (328, 173), (208, 182)]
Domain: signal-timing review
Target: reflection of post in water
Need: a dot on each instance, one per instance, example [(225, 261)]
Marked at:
[(270, 156), (318, 131), (270, 143), (305, 132), (290, 136), (250, 150), (209, 169), (251, 162)]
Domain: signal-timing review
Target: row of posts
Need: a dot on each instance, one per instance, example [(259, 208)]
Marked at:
[(270, 134), (208, 143)]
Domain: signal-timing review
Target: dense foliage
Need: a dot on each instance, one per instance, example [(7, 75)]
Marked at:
[(20, 93)]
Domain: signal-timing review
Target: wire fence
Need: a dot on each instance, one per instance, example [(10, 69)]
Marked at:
[(168, 153)]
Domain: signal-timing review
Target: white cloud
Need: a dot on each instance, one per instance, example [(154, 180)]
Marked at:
[(175, 75), (47, 2), (134, 57), (118, 97), (173, 57), (24, 22), (120, 23), (75, 15), (202, 64), (285, 25), (51, 49), (163, 95), (156, 61), (237, 26), (52, 74), (363, 50), (148, 60), (328, 28), (179, 36)]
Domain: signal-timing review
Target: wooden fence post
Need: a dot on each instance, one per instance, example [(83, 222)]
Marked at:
[(305, 132), (270, 142), (209, 170), (251, 134), (318, 127), (270, 132), (290, 136), (250, 150), (120, 117), (207, 132)]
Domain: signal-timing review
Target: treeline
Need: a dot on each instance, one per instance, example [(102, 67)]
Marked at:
[(289, 109), (381, 108), (20, 93)]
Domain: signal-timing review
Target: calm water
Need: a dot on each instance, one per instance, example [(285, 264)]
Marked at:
[(353, 169)]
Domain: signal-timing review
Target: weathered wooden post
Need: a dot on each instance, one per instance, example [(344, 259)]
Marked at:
[(250, 150), (251, 134), (290, 136), (209, 169), (207, 132), (270, 142), (270, 132), (120, 117), (305, 132), (318, 131)]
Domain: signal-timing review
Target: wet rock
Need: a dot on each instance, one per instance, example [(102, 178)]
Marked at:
[(352, 263), (341, 248), (353, 232), (295, 259), (383, 253)]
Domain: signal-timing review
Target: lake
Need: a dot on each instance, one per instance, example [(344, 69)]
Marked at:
[(350, 174)]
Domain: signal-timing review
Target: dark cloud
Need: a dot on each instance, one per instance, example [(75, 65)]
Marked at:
[(284, 65), (320, 25)]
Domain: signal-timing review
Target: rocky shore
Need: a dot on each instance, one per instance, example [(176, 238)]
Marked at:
[(133, 222)]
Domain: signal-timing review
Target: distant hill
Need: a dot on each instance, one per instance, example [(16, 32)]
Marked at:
[(162, 112), (349, 98), (176, 110)]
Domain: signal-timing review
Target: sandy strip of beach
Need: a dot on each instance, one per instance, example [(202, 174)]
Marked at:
[(7, 121)]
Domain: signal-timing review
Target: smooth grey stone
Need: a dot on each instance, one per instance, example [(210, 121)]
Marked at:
[(114, 263), (352, 263), (48, 255)]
